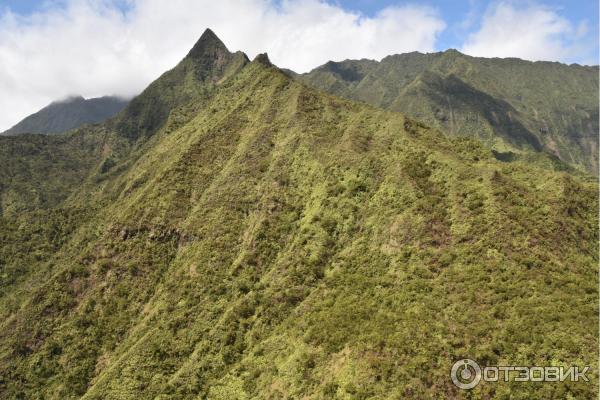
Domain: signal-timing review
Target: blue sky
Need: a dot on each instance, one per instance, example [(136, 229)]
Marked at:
[(464, 16), (461, 16), (51, 49)]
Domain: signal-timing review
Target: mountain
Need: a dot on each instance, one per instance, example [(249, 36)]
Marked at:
[(191, 82), (509, 104), (72, 113), (236, 234)]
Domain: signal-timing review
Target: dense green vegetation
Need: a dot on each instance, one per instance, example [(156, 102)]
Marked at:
[(72, 113), (243, 236), (508, 104)]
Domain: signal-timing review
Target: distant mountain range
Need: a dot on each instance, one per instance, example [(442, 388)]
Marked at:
[(71, 113), (514, 107), (509, 104)]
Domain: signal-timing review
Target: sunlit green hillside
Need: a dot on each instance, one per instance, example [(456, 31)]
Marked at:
[(235, 234), (509, 104)]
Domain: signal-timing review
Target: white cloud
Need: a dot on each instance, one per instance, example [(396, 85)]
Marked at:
[(91, 47), (533, 32)]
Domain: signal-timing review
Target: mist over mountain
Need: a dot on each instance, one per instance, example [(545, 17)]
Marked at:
[(509, 104), (235, 233), (64, 115)]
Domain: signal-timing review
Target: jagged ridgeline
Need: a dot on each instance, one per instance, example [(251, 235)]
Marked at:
[(235, 234), (511, 105)]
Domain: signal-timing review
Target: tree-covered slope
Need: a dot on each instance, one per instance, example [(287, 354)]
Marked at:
[(264, 240), (72, 113), (509, 104), (190, 83)]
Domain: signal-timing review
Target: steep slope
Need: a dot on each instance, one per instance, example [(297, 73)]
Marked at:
[(192, 80), (509, 104), (72, 113), (270, 241), (40, 172)]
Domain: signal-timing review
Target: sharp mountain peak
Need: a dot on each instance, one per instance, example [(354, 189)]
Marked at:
[(263, 58), (208, 45)]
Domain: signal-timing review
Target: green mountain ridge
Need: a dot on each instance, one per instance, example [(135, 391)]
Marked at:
[(194, 79), (509, 104), (237, 234), (68, 114)]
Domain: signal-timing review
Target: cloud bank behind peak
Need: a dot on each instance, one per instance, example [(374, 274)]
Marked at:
[(97, 47)]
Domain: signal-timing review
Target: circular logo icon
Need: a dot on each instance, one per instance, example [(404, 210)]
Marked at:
[(465, 374)]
